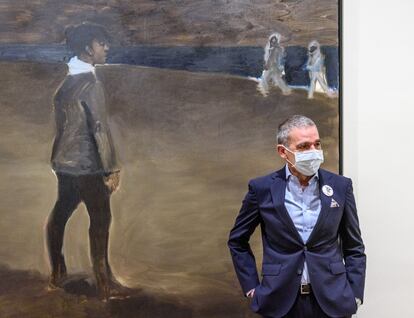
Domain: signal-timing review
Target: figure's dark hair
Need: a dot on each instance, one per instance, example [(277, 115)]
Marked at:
[(82, 35)]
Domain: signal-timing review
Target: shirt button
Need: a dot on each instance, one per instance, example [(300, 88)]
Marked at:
[(299, 272)]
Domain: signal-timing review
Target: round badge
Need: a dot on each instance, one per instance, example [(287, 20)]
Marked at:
[(327, 190)]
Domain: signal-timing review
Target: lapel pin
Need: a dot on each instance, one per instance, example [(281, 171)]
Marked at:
[(334, 204), (327, 190)]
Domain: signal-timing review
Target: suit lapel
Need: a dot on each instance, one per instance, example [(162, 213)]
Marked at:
[(278, 190), (325, 204)]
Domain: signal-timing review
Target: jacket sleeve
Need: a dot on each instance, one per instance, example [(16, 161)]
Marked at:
[(352, 245), (94, 106), (241, 253)]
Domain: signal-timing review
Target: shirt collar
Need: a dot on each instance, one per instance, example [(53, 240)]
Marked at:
[(289, 175), (77, 66)]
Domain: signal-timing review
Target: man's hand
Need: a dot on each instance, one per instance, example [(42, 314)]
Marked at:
[(358, 303), (112, 181)]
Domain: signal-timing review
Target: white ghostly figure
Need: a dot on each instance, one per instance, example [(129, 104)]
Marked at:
[(316, 67), (273, 66)]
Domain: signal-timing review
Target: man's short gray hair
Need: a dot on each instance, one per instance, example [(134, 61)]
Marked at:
[(295, 121)]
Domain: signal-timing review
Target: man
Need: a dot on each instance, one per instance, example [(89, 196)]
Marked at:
[(83, 157), (313, 254), (273, 66)]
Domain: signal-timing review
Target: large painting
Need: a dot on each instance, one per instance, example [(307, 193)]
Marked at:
[(194, 92)]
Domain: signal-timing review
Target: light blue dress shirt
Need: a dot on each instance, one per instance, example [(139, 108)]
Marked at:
[(303, 205)]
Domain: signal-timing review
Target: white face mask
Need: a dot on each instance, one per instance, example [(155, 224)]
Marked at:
[(307, 162)]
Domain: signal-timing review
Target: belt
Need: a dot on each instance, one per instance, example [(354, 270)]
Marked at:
[(305, 289)]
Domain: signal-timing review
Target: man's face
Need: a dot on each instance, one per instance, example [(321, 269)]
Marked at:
[(98, 51), (300, 139), (273, 41)]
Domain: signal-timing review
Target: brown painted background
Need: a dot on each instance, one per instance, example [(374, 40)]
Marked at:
[(189, 143)]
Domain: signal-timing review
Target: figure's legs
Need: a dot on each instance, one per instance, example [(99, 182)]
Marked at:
[(67, 201), (97, 200), (279, 81), (312, 85), (322, 81), (263, 85)]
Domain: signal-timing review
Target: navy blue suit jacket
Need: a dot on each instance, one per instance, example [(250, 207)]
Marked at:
[(334, 251)]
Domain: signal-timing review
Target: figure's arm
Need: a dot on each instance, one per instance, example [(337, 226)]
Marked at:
[(241, 253), (267, 59), (308, 64), (92, 101), (352, 245), (282, 59), (99, 129), (315, 65)]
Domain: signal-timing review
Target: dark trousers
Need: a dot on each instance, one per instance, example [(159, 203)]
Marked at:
[(93, 192), (306, 306)]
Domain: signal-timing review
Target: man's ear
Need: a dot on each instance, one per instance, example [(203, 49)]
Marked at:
[(88, 50), (281, 150)]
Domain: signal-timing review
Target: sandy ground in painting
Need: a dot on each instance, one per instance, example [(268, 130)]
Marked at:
[(188, 142)]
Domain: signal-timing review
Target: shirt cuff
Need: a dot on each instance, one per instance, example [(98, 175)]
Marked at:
[(250, 293)]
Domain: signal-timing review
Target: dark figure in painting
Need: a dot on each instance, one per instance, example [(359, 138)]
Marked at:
[(273, 68), (83, 157)]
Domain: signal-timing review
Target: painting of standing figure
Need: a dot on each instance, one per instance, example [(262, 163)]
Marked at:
[(316, 67), (83, 158), (129, 129), (274, 59)]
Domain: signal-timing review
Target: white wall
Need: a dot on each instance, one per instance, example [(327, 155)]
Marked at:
[(378, 112)]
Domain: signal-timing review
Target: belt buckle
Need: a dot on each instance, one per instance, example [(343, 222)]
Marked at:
[(305, 289)]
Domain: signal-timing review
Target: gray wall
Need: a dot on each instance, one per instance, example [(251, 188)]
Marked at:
[(378, 151)]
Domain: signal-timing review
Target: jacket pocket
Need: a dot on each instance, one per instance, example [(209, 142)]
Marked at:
[(337, 268), (271, 269)]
